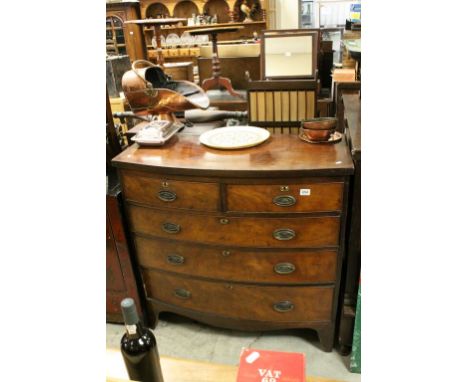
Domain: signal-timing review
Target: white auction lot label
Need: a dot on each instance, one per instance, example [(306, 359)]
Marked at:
[(304, 191)]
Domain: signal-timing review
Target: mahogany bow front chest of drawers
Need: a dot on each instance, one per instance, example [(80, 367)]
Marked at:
[(249, 239)]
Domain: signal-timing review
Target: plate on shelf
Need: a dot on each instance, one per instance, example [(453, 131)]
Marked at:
[(187, 39), (234, 137), (201, 39), (155, 44), (172, 40)]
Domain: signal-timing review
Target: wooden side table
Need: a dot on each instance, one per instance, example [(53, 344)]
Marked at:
[(216, 80)]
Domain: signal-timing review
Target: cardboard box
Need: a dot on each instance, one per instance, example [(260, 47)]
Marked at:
[(271, 366), (344, 75)]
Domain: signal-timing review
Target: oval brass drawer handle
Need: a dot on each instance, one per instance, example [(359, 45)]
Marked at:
[(283, 306), (284, 268), (167, 196), (175, 259), (182, 293), (171, 228), (284, 200), (224, 221), (284, 234)]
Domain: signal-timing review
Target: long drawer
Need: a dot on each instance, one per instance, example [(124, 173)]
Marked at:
[(168, 193), (309, 197), (237, 264), (240, 301), (301, 232)]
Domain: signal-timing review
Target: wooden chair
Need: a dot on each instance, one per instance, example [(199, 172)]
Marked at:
[(349, 117), (340, 89), (279, 106)]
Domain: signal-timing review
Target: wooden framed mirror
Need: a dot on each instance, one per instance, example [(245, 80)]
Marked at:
[(289, 54)]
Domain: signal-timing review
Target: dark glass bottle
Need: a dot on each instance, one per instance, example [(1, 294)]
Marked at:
[(138, 347)]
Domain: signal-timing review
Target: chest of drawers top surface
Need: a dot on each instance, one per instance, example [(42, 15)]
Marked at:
[(281, 155)]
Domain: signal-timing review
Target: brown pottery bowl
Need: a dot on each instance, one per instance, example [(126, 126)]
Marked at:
[(319, 129), (317, 135), (323, 123)]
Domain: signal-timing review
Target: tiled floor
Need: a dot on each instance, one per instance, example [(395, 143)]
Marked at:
[(184, 338)]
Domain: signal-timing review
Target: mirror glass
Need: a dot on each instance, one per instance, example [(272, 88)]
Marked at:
[(289, 56)]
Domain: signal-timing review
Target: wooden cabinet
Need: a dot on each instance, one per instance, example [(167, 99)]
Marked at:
[(249, 239), (351, 107), (124, 38), (120, 278), (130, 39), (225, 10)]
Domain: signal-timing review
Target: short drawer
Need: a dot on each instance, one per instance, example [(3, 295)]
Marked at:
[(237, 264), (301, 232), (167, 193), (242, 301), (313, 197)]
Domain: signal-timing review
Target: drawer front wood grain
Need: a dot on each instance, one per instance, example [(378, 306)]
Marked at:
[(312, 197), (242, 301), (236, 264), (167, 193), (238, 231)]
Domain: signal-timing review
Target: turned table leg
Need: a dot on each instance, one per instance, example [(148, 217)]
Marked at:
[(159, 52), (216, 80)]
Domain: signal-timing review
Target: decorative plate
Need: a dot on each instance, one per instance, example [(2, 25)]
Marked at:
[(335, 137), (172, 40), (187, 39), (201, 39), (234, 137)]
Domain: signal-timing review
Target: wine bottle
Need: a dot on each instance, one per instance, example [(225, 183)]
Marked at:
[(138, 347)]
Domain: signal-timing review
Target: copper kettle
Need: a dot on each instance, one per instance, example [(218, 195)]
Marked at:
[(150, 91)]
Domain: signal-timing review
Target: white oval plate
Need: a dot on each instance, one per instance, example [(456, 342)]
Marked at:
[(234, 137)]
